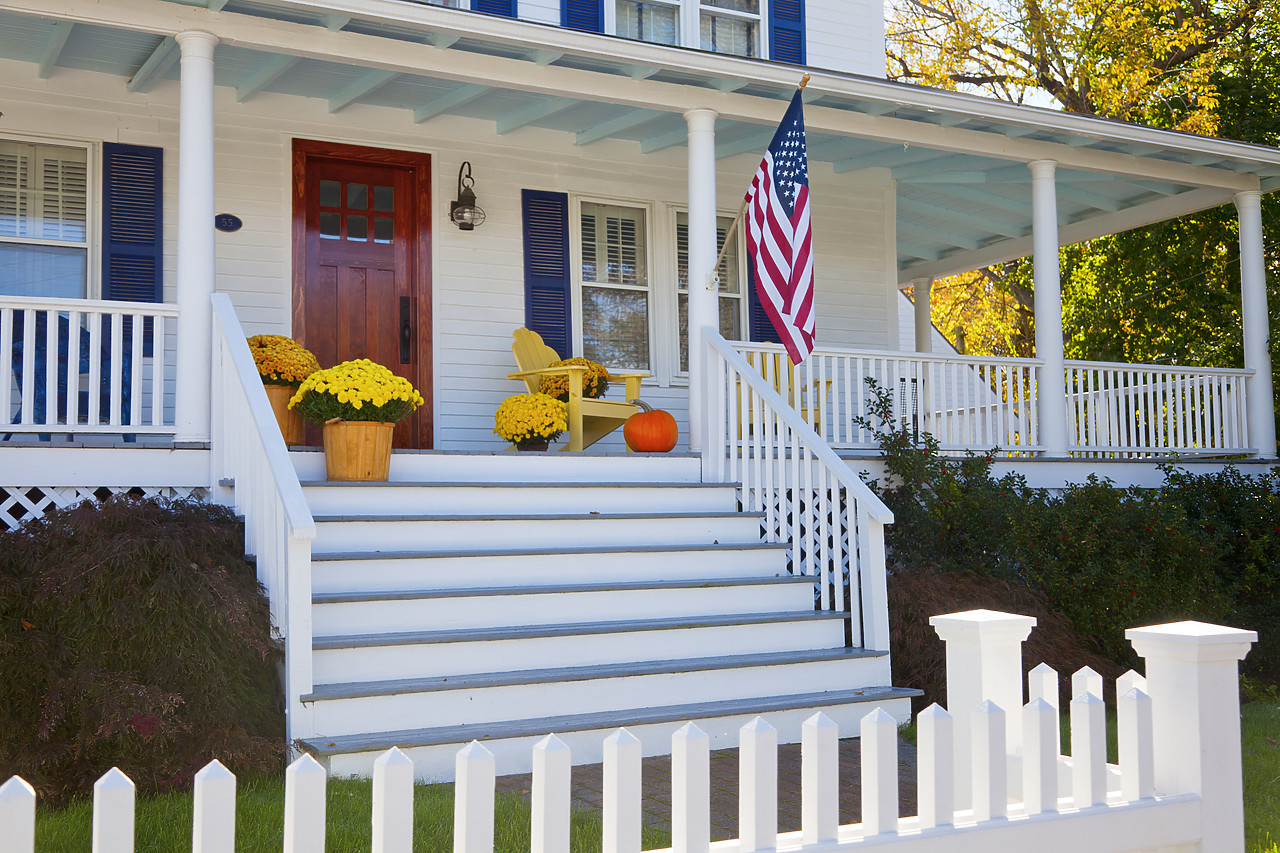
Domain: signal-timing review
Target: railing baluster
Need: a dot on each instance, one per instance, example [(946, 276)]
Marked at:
[(935, 739), (73, 368), (135, 372), (117, 369), (95, 368), (6, 364), (28, 366), (1088, 751), (1041, 744)]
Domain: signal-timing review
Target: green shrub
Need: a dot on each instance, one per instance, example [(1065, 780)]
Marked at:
[(133, 633)]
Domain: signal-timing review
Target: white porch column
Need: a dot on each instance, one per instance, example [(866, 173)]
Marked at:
[(195, 235), (1051, 395), (1257, 326), (703, 311), (922, 292)]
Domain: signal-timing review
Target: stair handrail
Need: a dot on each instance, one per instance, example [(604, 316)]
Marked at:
[(252, 471), (773, 447)]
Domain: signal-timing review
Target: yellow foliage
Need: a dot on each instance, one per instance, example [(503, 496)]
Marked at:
[(594, 382), (281, 360), (525, 418)]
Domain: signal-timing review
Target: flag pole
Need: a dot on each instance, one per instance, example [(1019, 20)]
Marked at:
[(715, 269)]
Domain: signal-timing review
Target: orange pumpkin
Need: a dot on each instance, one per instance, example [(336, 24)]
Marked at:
[(650, 430)]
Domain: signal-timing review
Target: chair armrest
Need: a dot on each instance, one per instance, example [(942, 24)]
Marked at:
[(632, 381), (569, 369)]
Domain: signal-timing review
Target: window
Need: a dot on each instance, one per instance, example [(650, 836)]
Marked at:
[(44, 229), (731, 289), (613, 285), (720, 26), (730, 26)]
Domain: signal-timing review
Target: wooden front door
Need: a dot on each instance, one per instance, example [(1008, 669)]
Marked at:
[(361, 264)]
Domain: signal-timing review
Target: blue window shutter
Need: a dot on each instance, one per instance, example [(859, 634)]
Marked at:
[(760, 326), (546, 267), (582, 15), (133, 224), (786, 31), (495, 7)]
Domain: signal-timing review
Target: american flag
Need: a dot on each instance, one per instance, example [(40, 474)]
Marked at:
[(779, 237)]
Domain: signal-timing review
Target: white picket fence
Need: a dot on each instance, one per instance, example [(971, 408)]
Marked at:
[(988, 780)]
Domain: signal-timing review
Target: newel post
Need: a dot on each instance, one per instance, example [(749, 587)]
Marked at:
[(984, 662), (1192, 679)]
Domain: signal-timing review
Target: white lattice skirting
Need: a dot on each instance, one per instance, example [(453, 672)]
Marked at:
[(19, 504)]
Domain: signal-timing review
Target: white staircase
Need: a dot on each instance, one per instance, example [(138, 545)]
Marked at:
[(503, 596)]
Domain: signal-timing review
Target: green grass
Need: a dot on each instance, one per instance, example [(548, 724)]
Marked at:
[(1260, 748), (164, 822)]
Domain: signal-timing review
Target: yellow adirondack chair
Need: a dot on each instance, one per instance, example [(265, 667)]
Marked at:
[(812, 400), (589, 420)]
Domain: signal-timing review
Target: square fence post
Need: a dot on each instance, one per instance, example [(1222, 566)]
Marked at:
[(1192, 680)]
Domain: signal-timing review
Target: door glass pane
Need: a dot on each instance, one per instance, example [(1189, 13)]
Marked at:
[(357, 196), (722, 34), (55, 271), (330, 194), (384, 229), (358, 228), (384, 199), (615, 327), (330, 226), (653, 22)]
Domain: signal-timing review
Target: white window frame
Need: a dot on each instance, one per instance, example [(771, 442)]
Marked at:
[(679, 376), (689, 21), (576, 201), (93, 206)]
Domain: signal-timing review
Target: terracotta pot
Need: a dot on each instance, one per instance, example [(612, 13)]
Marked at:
[(533, 445), (357, 450), (289, 420)]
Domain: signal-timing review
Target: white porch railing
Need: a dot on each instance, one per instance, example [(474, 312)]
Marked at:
[(80, 366), (809, 497), (1155, 410), (1177, 786), (249, 453), (966, 403)]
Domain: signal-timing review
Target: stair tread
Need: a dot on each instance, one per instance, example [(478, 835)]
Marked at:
[(567, 629), (590, 672), (593, 516), (537, 726), (552, 551), (551, 589)]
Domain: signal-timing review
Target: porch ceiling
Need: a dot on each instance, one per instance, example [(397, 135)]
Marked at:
[(964, 195)]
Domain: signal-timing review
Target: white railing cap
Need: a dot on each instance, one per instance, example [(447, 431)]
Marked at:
[(109, 306)]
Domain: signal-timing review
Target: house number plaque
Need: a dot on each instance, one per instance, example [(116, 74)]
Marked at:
[(227, 222)]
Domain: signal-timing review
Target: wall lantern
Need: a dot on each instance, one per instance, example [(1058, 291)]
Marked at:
[(464, 212)]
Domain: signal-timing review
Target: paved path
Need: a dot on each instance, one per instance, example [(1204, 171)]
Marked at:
[(656, 781)]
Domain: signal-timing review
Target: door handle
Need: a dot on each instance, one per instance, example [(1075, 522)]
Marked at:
[(406, 329)]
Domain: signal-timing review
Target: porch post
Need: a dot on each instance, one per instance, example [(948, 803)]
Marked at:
[(1257, 326), (922, 293), (703, 312), (195, 235), (1051, 398)]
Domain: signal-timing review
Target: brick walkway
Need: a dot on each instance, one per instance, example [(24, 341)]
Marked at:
[(656, 780)]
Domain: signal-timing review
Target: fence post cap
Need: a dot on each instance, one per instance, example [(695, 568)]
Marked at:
[(978, 625), (1192, 641)]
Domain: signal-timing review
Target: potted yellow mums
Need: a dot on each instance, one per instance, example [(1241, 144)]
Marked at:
[(358, 402), (530, 421), (283, 363)]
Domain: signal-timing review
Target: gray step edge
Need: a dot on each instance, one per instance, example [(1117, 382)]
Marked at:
[(567, 629), (547, 552), (575, 516), (551, 675), (552, 589), (604, 722), (520, 484)]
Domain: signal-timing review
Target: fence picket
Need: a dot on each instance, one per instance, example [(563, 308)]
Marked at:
[(879, 733), (622, 789), (758, 786), (474, 772), (1130, 680), (690, 790), (1088, 751), (1042, 683), (549, 830), (935, 756), (393, 802), (1136, 747), (304, 805), (17, 816), (214, 819), (1086, 680), (113, 804), (819, 779), (990, 769), (1041, 745)]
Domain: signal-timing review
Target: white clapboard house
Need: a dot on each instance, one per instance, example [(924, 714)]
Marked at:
[(177, 174)]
